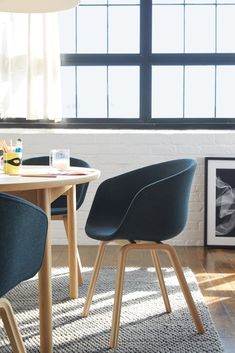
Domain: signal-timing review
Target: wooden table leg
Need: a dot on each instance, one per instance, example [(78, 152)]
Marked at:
[(72, 241), (45, 286)]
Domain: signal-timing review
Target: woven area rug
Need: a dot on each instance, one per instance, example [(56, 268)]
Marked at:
[(145, 327)]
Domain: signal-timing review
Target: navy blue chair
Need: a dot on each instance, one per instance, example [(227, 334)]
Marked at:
[(22, 241), (142, 208), (59, 206)]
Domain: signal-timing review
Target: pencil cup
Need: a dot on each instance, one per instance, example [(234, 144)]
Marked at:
[(12, 162)]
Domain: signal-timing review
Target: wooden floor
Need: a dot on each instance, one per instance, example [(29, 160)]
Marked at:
[(214, 270)]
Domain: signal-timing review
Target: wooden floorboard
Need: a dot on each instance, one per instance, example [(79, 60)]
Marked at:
[(213, 268)]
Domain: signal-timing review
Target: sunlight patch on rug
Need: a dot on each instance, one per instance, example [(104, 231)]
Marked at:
[(145, 326)]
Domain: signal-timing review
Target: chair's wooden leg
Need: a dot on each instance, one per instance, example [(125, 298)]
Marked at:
[(80, 279), (95, 274), (10, 325), (157, 265), (118, 294), (184, 286)]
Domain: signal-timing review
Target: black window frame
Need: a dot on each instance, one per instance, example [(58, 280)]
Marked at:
[(145, 59)]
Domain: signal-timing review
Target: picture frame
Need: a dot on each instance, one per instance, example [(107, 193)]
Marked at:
[(219, 202)]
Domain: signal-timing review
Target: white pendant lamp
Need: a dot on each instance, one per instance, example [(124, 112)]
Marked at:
[(36, 6)]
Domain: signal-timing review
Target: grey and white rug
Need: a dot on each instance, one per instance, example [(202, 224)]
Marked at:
[(145, 327)]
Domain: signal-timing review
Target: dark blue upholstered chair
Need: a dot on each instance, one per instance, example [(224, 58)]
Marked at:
[(22, 241), (59, 206), (143, 207)]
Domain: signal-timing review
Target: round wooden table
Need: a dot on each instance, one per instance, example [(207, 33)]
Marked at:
[(36, 186)]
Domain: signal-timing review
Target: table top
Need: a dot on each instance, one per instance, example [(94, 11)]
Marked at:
[(32, 177)]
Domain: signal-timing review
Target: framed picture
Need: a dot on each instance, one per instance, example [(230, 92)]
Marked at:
[(220, 202)]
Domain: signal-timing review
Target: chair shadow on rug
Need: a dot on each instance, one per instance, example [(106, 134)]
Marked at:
[(142, 208), (22, 242)]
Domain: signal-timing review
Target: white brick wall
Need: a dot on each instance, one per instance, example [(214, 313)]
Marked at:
[(117, 151)]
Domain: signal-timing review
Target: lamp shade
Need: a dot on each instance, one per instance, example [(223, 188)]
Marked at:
[(36, 6)]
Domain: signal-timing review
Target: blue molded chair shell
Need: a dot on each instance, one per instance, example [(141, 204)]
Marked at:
[(149, 203), (22, 241)]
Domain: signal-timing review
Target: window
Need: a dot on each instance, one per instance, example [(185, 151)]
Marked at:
[(101, 63), (148, 64), (196, 82)]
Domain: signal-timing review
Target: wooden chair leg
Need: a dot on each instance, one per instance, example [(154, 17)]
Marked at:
[(95, 274), (184, 286), (118, 294), (80, 279), (157, 265), (10, 325)]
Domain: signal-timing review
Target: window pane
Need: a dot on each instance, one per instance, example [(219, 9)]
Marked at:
[(199, 91), (124, 2), (67, 31), (92, 29), (167, 36), (168, 2), (199, 29), (225, 1), (226, 28), (225, 101), (68, 92), (182, 2), (199, 2), (124, 29), (110, 2), (167, 92), (92, 91), (93, 2), (123, 92)]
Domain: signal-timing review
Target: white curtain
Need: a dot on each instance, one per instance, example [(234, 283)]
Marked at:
[(30, 66)]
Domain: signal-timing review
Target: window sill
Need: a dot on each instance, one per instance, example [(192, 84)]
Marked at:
[(124, 124)]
